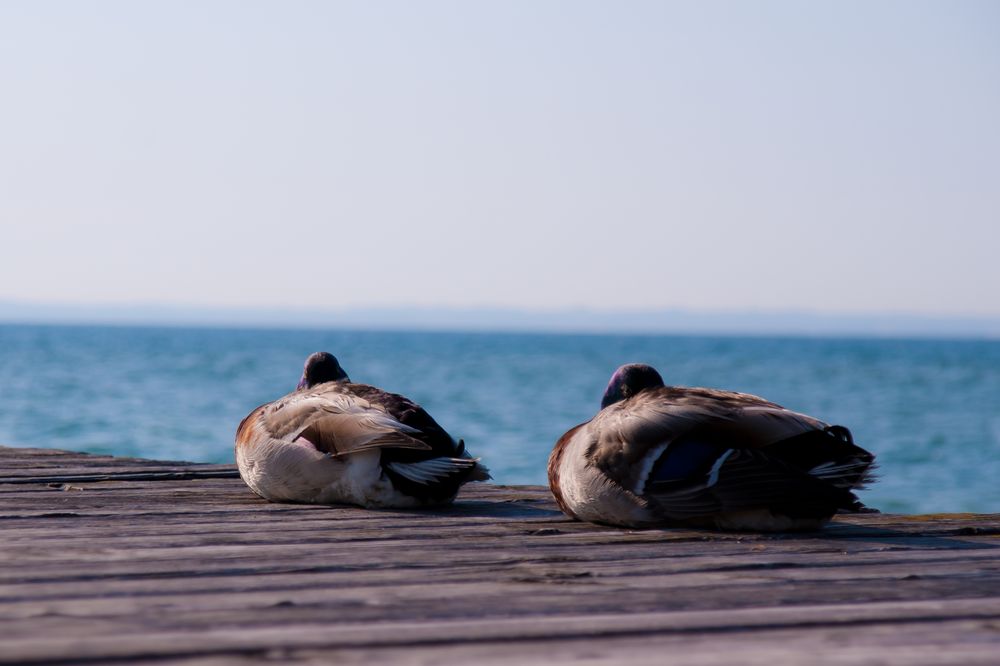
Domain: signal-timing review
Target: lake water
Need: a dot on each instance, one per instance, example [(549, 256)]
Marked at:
[(929, 409)]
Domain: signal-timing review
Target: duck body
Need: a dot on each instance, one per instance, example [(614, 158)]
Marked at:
[(657, 455), (338, 442)]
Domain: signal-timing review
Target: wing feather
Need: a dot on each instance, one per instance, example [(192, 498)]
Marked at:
[(749, 479), (433, 470), (633, 434), (338, 424)]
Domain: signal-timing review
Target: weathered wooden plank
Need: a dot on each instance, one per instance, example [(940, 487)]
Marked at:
[(140, 475), (548, 588), (932, 644), (527, 596), (47, 465), (319, 558), (203, 640)]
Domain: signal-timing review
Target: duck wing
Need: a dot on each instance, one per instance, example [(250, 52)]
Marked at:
[(684, 430), (336, 422), (410, 414), (747, 479), (437, 469)]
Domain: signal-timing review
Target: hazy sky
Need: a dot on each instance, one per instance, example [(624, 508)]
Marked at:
[(839, 156)]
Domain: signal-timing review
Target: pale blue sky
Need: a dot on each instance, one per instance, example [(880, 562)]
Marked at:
[(838, 156)]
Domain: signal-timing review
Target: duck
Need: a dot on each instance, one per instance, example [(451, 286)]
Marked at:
[(665, 456), (332, 441)]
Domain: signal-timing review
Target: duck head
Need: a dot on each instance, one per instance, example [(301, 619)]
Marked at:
[(321, 367), (629, 380)]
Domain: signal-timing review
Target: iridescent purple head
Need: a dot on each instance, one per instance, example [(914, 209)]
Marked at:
[(629, 380), (321, 367)]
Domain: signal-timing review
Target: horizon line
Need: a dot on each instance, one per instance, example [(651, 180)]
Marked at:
[(566, 319)]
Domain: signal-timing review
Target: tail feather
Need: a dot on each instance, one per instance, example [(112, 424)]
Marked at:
[(433, 470), (829, 454), (480, 472), (853, 473)]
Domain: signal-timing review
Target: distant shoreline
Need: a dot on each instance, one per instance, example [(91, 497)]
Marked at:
[(511, 320)]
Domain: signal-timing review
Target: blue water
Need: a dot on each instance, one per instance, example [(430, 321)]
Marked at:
[(929, 409)]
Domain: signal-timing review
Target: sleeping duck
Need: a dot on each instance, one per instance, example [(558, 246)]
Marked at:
[(335, 442), (663, 455)]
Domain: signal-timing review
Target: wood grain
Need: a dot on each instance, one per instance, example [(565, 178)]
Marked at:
[(105, 559)]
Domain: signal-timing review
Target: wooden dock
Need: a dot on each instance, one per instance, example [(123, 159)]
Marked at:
[(107, 560)]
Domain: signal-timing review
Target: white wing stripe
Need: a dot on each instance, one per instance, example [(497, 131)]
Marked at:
[(713, 475), (647, 466)]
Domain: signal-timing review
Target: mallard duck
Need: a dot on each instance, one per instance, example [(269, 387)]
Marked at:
[(332, 441), (659, 455)]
